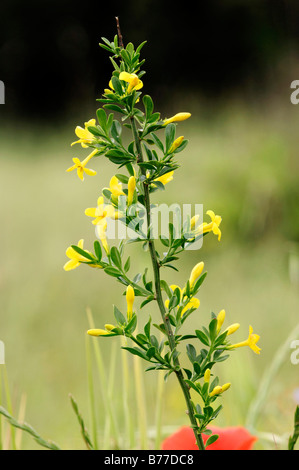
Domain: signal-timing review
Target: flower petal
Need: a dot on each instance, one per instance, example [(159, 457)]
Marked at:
[(89, 171), (72, 264)]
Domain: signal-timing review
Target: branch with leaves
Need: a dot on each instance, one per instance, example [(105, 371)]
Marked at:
[(146, 166)]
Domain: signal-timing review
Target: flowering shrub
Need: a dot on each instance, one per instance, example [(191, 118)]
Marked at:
[(145, 167)]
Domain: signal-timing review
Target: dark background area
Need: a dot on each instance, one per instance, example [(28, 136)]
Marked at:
[(51, 63)]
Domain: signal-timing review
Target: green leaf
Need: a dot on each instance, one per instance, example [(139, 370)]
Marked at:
[(191, 352), (199, 283), (293, 439), (147, 301), (188, 373), (114, 107), (175, 299), (140, 46), (213, 329), (158, 142), (218, 358), (117, 86), (118, 316), (127, 265), (212, 439), (136, 351), (147, 328), (202, 337), (154, 341), (131, 326), (216, 412), (116, 130), (82, 252), (115, 256), (166, 288), (122, 178), (192, 385), (95, 131), (151, 352), (111, 271), (169, 136), (102, 118), (148, 105), (98, 250)]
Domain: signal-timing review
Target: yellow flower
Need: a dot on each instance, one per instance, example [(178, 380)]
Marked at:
[(176, 144), (207, 376), (132, 79), (75, 258), (100, 212), (220, 320), (194, 221), (193, 302), (80, 166), (131, 189), (195, 273), (213, 226), (115, 187), (130, 296), (101, 234), (250, 341), (218, 390), (164, 179), (85, 137), (177, 117)]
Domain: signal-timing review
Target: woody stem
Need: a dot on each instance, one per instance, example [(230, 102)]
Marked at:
[(159, 298)]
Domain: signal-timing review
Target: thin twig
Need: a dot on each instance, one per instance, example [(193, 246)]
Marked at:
[(120, 38)]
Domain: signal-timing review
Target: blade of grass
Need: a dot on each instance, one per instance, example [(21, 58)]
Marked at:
[(140, 400), (257, 405), (90, 393), (29, 429), (129, 423), (111, 379), (293, 439), (108, 406), (159, 407), (84, 431), (9, 404), (21, 418), (1, 423)]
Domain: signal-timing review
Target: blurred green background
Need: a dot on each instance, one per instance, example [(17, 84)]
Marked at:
[(241, 162)]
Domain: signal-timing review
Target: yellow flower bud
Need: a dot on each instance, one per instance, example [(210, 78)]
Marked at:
[(109, 327), (176, 144), (131, 189), (98, 332), (225, 387), (220, 320), (195, 273), (232, 328), (177, 117), (130, 296), (218, 390), (207, 376)]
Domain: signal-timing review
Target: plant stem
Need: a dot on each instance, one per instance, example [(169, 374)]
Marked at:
[(159, 298)]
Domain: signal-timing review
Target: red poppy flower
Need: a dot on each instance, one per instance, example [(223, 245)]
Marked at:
[(231, 438)]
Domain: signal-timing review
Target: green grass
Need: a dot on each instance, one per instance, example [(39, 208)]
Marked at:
[(244, 166)]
